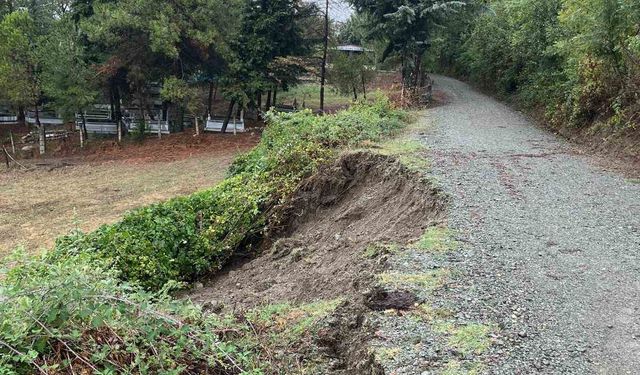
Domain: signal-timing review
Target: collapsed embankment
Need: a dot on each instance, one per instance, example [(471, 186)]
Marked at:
[(325, 245)]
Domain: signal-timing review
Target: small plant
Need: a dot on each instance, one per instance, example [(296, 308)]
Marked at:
[(375, 250), (438, 240), (426, 281), (470, 339)]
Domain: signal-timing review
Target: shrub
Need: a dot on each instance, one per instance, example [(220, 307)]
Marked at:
[(186, 237), (73, 317)]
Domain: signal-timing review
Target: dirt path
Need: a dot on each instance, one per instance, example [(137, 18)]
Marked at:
[(552, 242)]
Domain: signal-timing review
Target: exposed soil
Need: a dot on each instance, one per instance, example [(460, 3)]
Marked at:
[(317, 251)]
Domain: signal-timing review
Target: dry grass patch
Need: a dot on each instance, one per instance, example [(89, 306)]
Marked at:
[(38, 206)]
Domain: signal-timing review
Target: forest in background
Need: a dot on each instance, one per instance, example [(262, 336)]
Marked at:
[(575, 61)]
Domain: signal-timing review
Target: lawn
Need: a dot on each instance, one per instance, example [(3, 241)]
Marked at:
[(309, 93), (39, 205)]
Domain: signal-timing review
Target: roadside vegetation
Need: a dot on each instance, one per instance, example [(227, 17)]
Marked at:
[(578, 62), (84, 305)]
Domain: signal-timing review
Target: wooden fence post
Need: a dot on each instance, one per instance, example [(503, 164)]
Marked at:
[(13, 145)]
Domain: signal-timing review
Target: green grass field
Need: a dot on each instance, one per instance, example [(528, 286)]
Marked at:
[(309, 94)]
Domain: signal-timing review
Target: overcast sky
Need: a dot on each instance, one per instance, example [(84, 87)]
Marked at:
[(338, 10)]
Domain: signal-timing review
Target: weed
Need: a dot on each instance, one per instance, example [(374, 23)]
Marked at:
[(377, 249), (431, 314), (387, 354), (287, 323), (423, 281), (437, 239), (457, 368), (409, 151), (467, 339)]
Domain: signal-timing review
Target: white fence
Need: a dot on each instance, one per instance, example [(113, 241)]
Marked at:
[(46, 118), (215, 124), (8, 119), (99, 120)]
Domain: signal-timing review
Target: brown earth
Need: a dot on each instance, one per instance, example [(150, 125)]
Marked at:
[(317, 251), (328, 244)]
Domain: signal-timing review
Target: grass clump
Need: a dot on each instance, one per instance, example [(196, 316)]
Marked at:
[(458, 368), (410, 152), (469, 339), (284, 335), (424, 281), (185, 238), (375, 250), (438, 240)]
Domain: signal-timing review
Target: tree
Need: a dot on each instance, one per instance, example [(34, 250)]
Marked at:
[(67, 79), (350, 73), (407, 27), (270, 36), (178, 91), (20, 69), (139, 42)]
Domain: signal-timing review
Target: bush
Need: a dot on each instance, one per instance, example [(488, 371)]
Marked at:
[(185, 238), (74, 317)]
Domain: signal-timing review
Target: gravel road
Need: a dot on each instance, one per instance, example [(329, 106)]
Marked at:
[(552, 241)]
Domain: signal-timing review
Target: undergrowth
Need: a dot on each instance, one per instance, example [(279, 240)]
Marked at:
[(100, 303), (185, 238)]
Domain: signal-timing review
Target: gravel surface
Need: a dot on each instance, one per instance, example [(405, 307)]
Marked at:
[(551, 241)]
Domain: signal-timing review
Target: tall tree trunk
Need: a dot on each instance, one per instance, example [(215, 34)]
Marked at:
[(275, 96), (355, 93), (181, 118), (22, 117), (259, 101), (232, 103), (209, 100), (268, 100), (118, 110), (364, 87), (416, 72), (42, 134), (83, 129), (325, 49)]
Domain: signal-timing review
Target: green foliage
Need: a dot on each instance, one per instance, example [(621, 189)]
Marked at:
[(67, 78), (19, 64), (308, 94), (188, 237), (437, 239), (406, 27), (578, 60), (350, 73), (73, 316)]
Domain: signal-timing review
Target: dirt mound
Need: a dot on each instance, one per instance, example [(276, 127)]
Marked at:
[(325, 245), (317, 249)]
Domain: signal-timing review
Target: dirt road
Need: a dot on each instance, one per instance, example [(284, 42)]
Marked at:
[(552, 241)]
